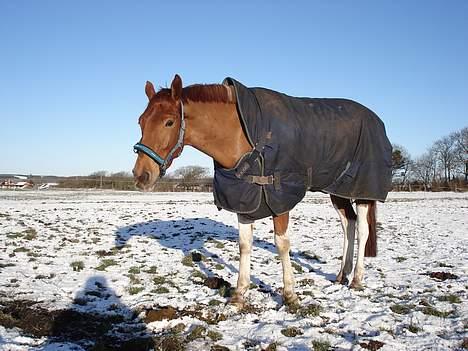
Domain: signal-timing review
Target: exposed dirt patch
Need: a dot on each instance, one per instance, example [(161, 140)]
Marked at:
[(372, 345), (443, 275), (200, 312), (159, 314), (216, 283), (92, 331)]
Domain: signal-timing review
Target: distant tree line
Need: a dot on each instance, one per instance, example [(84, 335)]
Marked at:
[(444, 166), (189, 178)]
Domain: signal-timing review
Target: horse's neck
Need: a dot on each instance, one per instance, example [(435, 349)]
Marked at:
[(214, 129)]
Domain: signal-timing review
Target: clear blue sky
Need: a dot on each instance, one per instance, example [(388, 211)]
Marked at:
[(72, 73)]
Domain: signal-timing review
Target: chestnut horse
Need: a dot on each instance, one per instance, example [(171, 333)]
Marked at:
[(206, 117)]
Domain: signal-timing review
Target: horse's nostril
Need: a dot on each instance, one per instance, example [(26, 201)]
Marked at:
[(144, 178)]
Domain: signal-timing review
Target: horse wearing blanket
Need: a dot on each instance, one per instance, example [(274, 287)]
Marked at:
[(269, 149)]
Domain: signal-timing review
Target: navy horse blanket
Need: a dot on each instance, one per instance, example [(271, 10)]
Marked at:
[(336, 146)]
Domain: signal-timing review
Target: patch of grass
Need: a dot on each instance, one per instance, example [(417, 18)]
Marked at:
[(133, 290), (198, 275), (134, 279), (4, 265), (312, 310), (21, 249), (152, 270), (177, 329), (442, 264), (105, 263), (217, 347), (311, 256), (77, 266), (104, 253), (291, 332), (297, 267), (159, 280), (14, 235), (321, 345), (400, 259), (306, 282), (219, 266), (401, 309), (432, 311), (134, 270), (214, 302), (272, 346), (414, 328), (187, 260), (197, 332), (452, 298), (214, 335), (160, 290), (30, 234), (170, 343), (226, 291)]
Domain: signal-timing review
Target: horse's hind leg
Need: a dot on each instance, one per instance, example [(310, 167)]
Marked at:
[(367, 239), (348, 222), (280, 224), (245, 248)]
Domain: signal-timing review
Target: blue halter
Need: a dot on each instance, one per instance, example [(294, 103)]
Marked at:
[(164, 162)]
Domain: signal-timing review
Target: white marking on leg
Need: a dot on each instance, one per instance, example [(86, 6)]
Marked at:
[(245, 248), (348, 226), (283, 246), (363, 234)]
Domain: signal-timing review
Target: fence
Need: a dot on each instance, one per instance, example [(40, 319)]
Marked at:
[(169, 185)]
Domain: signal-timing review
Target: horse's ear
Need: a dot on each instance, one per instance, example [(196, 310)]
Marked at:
[(149, 90), (176, 87)]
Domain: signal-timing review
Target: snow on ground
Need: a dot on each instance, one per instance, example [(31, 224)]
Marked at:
[(122, 254)]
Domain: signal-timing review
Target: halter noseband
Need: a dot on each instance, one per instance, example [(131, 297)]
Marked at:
[(161, 162)]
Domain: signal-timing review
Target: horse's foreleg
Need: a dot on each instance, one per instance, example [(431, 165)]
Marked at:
[(348, 222), (245, 248), (362, 208), (280, 224)]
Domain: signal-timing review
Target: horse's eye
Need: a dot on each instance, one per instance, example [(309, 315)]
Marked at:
[(169, 123)]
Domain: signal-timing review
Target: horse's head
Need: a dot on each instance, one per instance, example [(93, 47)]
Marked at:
[(162, 128)]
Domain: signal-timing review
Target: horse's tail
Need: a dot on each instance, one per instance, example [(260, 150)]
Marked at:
[(371, 244)]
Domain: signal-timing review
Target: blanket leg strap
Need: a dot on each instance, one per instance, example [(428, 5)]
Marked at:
[(260, 180)]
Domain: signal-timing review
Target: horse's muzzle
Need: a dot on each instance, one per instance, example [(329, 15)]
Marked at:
[(144, 180)]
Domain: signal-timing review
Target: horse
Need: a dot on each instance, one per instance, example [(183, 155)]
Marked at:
[(208, 118)]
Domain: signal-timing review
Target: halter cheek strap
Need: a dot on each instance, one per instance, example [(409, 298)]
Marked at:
[(163, 163)]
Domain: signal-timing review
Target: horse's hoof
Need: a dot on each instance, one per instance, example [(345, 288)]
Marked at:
[(342, 280), (355, 285), (291, 300), (237, 301)]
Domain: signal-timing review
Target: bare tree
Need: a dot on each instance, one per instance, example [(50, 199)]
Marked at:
[(425, 169), (98, 174), (191, 173), (445, 151), (461, 151), (401, 162)]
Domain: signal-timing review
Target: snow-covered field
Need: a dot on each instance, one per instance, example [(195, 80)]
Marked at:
[(92, 269)]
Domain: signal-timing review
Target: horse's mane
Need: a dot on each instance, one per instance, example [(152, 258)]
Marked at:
[(201, 93)]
